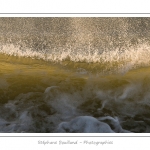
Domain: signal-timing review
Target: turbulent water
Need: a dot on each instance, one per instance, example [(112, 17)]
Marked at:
[(75, 75)]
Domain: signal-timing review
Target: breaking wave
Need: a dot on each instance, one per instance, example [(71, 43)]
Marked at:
[(74, 75)]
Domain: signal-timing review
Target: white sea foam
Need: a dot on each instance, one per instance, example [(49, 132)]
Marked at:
[(26, 110), (126, 59), (84, 124), (114, 122)]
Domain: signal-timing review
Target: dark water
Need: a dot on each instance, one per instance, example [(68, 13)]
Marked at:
[(74, 75)]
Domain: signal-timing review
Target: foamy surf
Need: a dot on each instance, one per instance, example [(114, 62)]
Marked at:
[(117, 60), (74, 75)]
